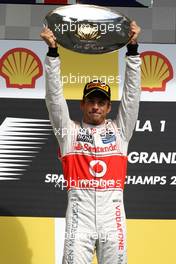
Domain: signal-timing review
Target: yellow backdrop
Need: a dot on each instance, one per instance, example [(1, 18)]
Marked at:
[(29, 240), (77, 69), (151, 241)]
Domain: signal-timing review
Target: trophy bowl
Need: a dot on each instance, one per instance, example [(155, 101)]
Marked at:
[(88, 28)]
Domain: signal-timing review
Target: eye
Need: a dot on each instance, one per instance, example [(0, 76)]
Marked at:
[(102, 103), (91, 101)]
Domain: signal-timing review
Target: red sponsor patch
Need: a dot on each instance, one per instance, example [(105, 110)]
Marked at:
[(92, 172)]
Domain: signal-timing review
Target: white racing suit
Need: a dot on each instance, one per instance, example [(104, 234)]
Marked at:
[(94, 160)]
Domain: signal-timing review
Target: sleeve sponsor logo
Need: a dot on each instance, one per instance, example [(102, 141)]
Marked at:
[(156, 71), (21, 68)]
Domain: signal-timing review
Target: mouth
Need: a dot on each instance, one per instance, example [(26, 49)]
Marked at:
[(95, 114)]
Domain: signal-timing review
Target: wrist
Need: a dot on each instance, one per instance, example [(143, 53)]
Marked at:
[(133, 42), (52, 52), (132, 49)]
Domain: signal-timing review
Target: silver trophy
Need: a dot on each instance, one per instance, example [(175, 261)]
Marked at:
[(89, 28)]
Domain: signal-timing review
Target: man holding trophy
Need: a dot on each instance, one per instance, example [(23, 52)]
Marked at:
[(94, 157)]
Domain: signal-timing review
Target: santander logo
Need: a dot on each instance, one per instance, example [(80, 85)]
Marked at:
[(97, 168)]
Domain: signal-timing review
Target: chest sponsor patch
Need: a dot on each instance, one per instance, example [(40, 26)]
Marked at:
[(108, 137), (85, 137)]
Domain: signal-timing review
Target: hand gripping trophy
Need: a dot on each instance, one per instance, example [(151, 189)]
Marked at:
[(94, 157)]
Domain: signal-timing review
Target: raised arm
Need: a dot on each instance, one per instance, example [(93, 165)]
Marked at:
[(129, 106), (55, 101)]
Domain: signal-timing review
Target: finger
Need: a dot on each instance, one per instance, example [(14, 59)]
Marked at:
[(45, 25), (133, 23), (50, 33), (134, 36)]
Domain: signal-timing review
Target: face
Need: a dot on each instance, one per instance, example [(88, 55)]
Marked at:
[(95, 109)]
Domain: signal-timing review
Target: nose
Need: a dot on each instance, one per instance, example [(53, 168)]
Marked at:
[(95, 105)]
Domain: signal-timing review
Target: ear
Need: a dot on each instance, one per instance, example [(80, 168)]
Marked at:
[(82, 105), (109, 108)]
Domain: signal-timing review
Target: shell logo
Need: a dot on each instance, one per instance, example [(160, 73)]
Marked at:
[(20, 67), (156, 71)]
